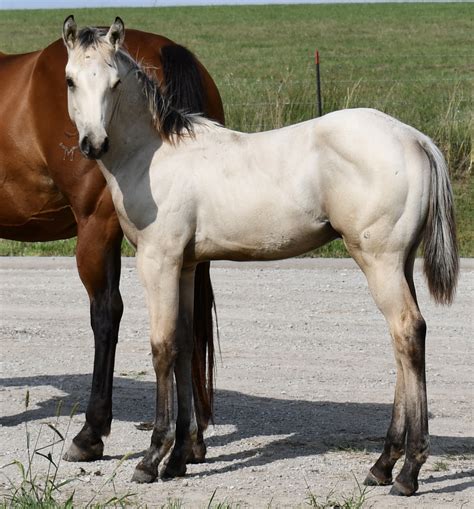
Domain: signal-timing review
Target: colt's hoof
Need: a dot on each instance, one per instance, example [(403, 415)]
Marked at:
[(143, 476), (400, 490), (372, 480), (93, 453), (172, 471)]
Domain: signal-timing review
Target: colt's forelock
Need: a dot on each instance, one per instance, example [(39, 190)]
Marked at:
[(90, 37)]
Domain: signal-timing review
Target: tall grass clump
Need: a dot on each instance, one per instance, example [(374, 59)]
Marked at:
[(46, 490), (32, 491), (356, 500)]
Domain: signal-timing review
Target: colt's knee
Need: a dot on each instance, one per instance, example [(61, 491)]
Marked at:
[(163, 351)]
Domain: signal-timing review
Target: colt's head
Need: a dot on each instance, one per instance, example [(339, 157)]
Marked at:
[(93, 80)]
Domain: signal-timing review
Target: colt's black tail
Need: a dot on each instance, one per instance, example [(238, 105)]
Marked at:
[(185, 90), (183, 81)]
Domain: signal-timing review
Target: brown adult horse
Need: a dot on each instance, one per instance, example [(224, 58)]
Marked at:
[(49, 191)]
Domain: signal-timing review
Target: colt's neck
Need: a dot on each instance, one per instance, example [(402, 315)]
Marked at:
[(133, 140)]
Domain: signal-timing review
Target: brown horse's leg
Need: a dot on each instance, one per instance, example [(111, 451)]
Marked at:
[(98, 261), (393, 291)]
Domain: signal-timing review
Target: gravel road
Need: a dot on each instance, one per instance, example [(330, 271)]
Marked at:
[(305, 381)]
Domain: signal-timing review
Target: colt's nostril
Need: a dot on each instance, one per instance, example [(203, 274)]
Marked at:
[(85, 145), (105, 145)]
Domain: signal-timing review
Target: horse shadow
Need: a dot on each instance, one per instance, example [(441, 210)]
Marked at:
[(278, 429)]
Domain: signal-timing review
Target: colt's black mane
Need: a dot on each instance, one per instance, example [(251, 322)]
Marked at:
[(174, 106), (167, 119)]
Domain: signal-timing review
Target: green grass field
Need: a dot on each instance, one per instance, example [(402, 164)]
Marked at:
[(413, 61)]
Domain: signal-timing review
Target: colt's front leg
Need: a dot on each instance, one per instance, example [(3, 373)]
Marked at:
[(160, 276), (186, 426)]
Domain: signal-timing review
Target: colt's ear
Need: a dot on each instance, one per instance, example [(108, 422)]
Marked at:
[(116, 33), (69, 32)]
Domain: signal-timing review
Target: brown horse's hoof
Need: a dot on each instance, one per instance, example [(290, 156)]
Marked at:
[(372, 480), (93, 453), (143, 476), (400, 490)]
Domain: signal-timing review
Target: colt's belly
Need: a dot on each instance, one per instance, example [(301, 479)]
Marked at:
[(256, 243)]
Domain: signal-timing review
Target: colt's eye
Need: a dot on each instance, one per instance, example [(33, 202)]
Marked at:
[(70, 82), (116, 84)]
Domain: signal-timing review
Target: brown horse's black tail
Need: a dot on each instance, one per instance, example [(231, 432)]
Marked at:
[(183, 81), (203, 354), (184, 88)]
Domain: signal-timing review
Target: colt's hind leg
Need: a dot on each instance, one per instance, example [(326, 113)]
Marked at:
[(410, 345), (98, 261), (381, 472), (395, 297)]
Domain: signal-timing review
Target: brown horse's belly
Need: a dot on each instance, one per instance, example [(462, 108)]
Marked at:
[(32, 208)]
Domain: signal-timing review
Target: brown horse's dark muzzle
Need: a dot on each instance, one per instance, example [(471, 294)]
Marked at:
[(93, 150)]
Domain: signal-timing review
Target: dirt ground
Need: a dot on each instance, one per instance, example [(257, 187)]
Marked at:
[(305, 381)]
